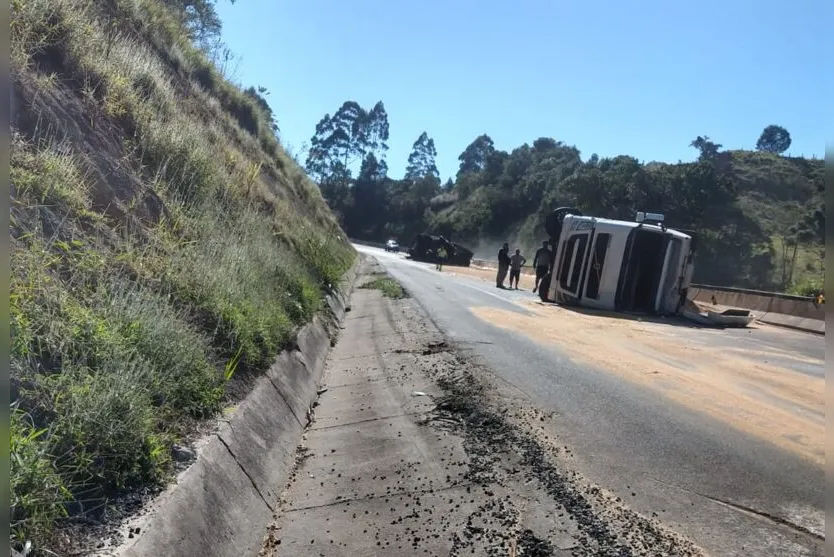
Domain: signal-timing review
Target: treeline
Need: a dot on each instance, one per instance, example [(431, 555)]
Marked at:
[(759, 216), (371, 205)]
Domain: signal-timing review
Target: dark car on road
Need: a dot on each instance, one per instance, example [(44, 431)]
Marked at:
[(425, 249)]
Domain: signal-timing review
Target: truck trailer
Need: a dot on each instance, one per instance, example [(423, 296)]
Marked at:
[(616, 265)]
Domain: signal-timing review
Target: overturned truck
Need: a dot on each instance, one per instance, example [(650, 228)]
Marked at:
[(639, 266), (425, 248)]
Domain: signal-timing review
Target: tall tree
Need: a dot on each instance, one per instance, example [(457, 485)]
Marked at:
[(374, 131), (774, 139), (345, 138), (347, 133), (476, 155), (373, 169), (367, 214), (707, 148), (421, 161), (544, 144)]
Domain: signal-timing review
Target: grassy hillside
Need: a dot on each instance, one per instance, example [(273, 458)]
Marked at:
[(774, 190), (163, 246), (777, 193)]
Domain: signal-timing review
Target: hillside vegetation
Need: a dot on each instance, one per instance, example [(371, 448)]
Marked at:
[(163, 246), (759, 216)]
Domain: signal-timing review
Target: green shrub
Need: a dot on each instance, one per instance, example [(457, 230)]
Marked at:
[(105, 428), (808, 286), (254, 290), (49, 177), (36, 488)]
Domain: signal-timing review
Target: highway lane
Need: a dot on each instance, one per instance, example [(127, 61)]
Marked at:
[(733, 492)]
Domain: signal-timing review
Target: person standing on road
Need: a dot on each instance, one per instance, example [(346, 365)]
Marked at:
[(503, 265), (441, 257), (517, 261), (541, 262)]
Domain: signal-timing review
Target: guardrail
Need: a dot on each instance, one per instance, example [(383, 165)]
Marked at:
[(733, 290)]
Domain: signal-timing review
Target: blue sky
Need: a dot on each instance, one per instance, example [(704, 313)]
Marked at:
[(612, 77)]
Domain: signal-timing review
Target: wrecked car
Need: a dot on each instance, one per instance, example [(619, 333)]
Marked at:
[(425, 249)]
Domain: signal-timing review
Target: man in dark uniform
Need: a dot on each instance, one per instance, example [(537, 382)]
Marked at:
[(542, 262), (503, 265)]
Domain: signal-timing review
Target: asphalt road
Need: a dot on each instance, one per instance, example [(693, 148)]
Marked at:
[(732, 493)]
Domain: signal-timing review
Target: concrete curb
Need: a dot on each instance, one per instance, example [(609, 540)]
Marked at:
[(224, 502), (815, 326)]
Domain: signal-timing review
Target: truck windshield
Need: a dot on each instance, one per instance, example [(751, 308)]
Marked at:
[(572, 260)]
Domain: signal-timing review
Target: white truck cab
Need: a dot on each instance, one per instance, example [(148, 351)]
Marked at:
[(639, 266)]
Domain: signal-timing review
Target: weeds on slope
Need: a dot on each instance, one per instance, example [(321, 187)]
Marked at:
[(389, 287), (116, 348), (121, 341)]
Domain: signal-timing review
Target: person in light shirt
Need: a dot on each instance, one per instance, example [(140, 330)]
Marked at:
[(517, 261)]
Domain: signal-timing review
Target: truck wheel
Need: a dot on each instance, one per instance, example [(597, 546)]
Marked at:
[(544, 287)]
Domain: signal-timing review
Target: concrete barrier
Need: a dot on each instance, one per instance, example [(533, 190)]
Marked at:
[(759, 301), (773, 308), (224, 502)]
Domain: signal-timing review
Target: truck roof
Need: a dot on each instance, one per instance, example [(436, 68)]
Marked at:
[(627, 224)]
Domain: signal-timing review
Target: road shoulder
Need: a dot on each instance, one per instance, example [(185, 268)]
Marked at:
[(412, 450)]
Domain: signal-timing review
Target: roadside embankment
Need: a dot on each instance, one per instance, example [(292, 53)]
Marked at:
[(222, 504), (163, 247)]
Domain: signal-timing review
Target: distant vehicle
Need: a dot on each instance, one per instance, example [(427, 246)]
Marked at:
[(639, 266), (425, 249), (392, 245)]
